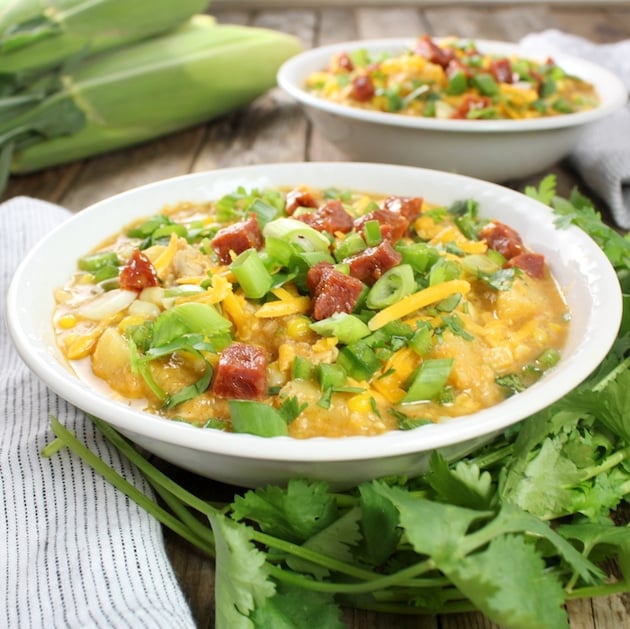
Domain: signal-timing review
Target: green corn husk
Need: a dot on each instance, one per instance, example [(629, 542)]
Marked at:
[(161, 85), (40, 34)]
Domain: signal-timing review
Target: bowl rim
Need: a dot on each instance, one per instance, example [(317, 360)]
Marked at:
[(39, 357), (293, 71)]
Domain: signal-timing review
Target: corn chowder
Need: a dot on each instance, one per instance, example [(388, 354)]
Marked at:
[(307, 313), (451, 80)]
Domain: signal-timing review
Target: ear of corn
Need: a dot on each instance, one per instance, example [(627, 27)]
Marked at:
[(40, 34), (195, 73)]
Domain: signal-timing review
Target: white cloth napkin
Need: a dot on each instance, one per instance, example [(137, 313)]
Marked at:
[(74, 551), (603, 156)]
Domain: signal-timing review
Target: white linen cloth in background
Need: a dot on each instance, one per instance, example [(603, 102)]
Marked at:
[(74, 551), (603, 156)]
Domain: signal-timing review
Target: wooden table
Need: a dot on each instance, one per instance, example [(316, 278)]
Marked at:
[(274, 130)]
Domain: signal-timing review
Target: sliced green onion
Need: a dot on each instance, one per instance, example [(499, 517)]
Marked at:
[(296, 233), (257, 418), (278, 250), (486, 84), (429, 380), (392, 286), (443, 271), (479, 264), (419, 255), (265, 212), (359, 360), (95, 261), (372, 233), (149, 226), (548, 358), (331, 376), (302, 369), (187, 318), (422, 340), (166, 231), (457, 83), (347, 328), (351, 244), (251, 274)]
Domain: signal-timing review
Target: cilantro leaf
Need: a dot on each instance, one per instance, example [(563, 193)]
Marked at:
[(515, 593), (379, 525), (463, 485), (334, 541), (296, 607), (242, 579), (295, 513)]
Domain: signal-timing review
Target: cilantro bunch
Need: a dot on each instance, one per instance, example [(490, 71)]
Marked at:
[(514, 530)]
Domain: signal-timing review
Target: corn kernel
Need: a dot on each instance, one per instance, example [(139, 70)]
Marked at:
[(67, 321), (298, 328), (78, 347), (129, 321), (361, 403)]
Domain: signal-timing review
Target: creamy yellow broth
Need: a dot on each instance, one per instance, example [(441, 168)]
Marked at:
[(492, 331)]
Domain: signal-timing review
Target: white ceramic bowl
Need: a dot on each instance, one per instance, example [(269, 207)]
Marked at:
[(495, 150), (582, 270)]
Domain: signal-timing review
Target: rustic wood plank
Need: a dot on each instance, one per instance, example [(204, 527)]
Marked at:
[(336, 25), (595, 24), (473, 620), (272, 128), (121, 170), (391, 22)]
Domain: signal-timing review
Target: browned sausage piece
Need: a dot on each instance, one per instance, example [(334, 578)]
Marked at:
[(409, 207), (237, 238), (362, 88), (331, 291), (393, 224), (502, 70), (370, 264), (331, 217), (298, 198), (503, 239), (532, 263), (241, 373), (427, 48)]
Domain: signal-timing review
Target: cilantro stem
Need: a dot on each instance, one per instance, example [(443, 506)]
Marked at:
[(376, 582), (612, 461), (607, 589), (150, 471), (411, 609), (611, 375), (109, 474), (53, 447), (204, 535)]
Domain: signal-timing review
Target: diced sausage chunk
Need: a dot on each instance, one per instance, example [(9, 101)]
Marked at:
[(532, 263), (470, 103), (298, 198), (331, 217), (393, 225), (362, 88), (241, 373), (427, 48), (370, 264), (502, 238), (139, 273), (502, 70), (237, 238), (409, 207), (331, 291)]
